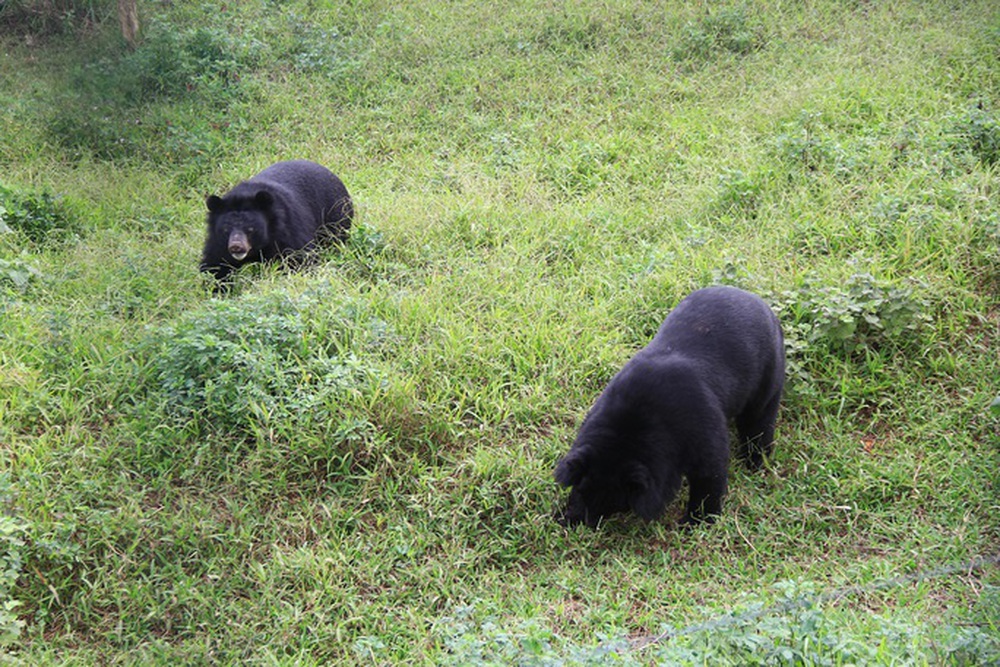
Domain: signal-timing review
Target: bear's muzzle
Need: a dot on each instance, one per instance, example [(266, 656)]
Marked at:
[(239, 245)]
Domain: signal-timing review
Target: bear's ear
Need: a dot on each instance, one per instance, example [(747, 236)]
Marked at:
[(214, 203), (644, 496), (263, 200), (572, 467)]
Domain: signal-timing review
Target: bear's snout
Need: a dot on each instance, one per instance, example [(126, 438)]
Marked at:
[(239, 245), (576, 512)]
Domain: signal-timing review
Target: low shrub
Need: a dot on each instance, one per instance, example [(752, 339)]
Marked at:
[(796, 630), (51, 17), (39, 215), (12, 548), (168, 100), (727, 29), (257, 361), (862, 313), (977, 131), (18, 272)]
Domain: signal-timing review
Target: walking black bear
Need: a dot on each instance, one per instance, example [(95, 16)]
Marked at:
[(719, 355), (284, 211)]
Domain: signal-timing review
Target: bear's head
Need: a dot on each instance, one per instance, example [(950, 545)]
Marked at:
[(244, 223), (603, 486)]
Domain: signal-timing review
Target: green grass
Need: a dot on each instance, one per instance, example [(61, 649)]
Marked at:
[(353, 464)]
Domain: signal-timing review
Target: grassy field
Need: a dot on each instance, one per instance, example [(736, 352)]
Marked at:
[(353, 463)]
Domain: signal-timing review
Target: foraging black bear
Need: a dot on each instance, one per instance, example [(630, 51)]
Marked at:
[(718, 355), (289, 207)]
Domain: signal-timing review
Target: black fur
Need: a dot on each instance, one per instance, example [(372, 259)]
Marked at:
[(719, 355), (288, 208)]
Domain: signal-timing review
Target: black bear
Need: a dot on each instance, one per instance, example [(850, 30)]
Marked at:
[(287, 209), (719, 355)]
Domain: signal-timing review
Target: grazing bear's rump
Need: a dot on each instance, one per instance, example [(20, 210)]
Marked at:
[(718, 356), (289, 208)]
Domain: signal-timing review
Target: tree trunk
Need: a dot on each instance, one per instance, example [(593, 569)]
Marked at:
[(128, 16)]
